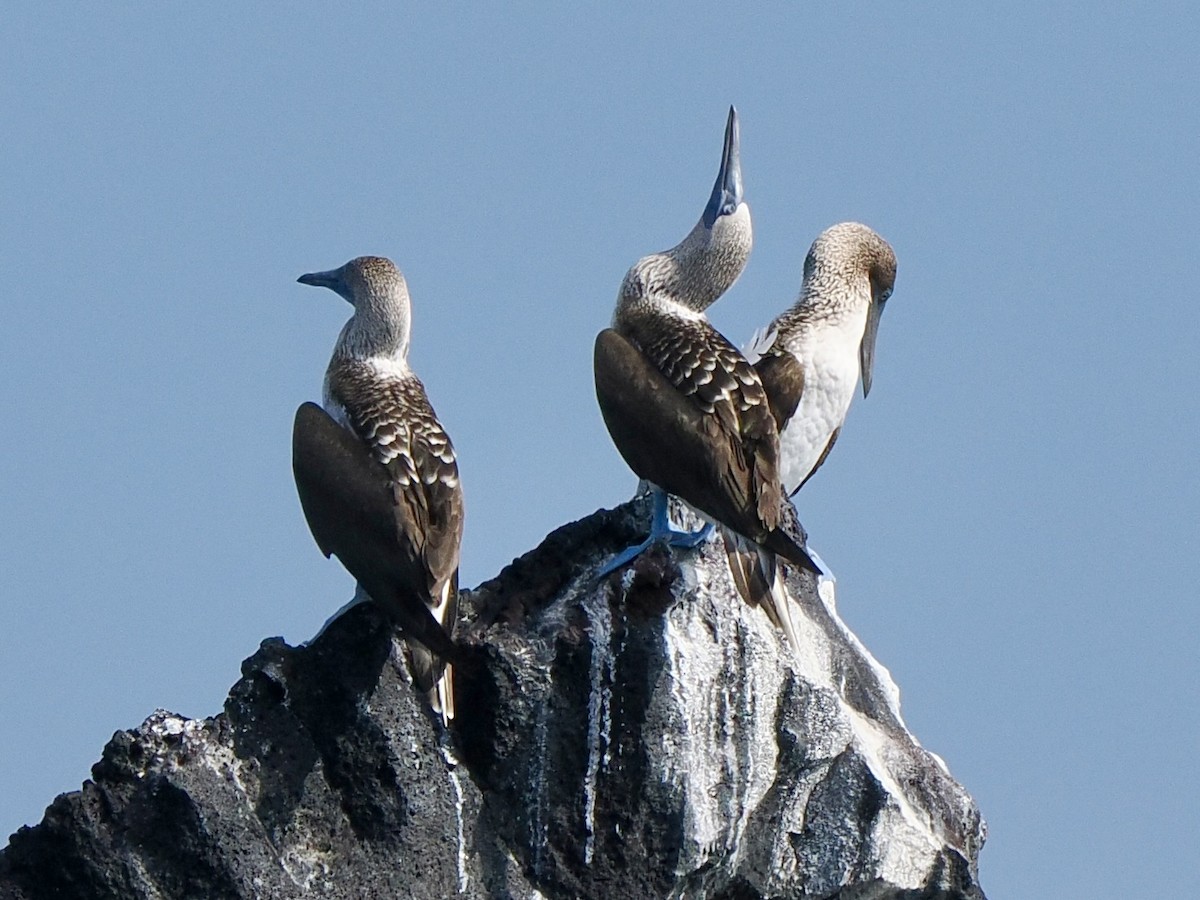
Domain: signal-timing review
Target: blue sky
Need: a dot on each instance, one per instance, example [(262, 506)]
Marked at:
[(1012, 514)]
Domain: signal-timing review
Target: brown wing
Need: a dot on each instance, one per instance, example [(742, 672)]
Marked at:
[(782, 378), (349, 502), (402, 432), (688, 413), (705, 367), (821, 460), (405, 435)]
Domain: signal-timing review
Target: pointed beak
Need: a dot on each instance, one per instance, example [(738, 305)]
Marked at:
[(322, 279), (866, 350), (727, 191), (333, 279)]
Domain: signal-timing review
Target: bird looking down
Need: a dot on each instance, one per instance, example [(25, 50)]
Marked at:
[(810, 358)]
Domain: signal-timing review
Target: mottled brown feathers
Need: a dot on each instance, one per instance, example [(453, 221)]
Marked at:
[(399, 427), (718, 454), (782, 378), (349, 502)]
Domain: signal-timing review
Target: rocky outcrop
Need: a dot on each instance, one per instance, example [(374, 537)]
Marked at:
[(642, 735)]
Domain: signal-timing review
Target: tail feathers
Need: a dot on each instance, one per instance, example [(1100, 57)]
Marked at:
[(430, 672), (435, 677), (781, 602), (781, 543), (442, 698), (758, 578), (749, 577)]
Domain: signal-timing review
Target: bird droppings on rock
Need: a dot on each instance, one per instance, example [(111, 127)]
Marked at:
[(642, 735)]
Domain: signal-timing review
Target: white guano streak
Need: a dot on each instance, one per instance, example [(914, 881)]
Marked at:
[(452, 770), (723, 760), (601, 671), (537, 820)]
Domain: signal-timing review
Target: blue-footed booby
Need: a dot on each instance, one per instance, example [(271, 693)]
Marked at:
[(683, 406), (809, 360), (377, 475), (811, 357)]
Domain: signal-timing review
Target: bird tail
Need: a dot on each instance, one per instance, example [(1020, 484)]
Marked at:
[(435, 677), (432, 673), (760, 342), (783, 544), (758, 578)]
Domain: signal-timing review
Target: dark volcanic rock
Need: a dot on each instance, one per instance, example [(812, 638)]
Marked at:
[(644, 735)]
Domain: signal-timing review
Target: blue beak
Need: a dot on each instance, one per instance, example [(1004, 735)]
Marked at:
[(866, 350), (727, 191), (331, 279)]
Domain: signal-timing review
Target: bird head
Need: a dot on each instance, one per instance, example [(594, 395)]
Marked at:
[(706, 263), (377, 291)]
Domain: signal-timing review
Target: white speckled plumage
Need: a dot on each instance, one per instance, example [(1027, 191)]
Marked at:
[(809, 360), (830, 354)]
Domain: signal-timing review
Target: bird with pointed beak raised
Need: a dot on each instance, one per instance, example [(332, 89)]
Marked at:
[(683, 406), (377, 475)]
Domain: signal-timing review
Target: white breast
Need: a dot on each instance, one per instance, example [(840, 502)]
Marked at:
[(829, 355)]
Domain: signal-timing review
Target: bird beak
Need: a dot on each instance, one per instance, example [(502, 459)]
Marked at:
[(866, 350), (331, 279), (727, 191), (321, 279)]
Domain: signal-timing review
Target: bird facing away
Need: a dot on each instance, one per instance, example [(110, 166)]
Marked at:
[(683, 406), (377, 475), (811, 356)]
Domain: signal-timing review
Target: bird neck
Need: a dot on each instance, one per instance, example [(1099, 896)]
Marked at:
[(689, 277), (704, 265), (370, 335), (828, 301)]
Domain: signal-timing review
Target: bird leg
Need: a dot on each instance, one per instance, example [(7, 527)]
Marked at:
[(661, 529)]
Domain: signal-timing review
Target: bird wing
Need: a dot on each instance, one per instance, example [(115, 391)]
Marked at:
[(782, 378), (350, 505), (397, 423), (399, 427), (688, 413), (820, 460), (344, 493)]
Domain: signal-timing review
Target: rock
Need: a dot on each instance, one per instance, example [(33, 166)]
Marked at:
[(643, 735)]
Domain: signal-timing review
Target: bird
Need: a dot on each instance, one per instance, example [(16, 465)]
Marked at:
[(811, 356), (377, 474), (684, 408), (809, 360)]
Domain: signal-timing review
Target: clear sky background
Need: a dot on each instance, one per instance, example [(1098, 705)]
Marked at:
[(1012, 514)]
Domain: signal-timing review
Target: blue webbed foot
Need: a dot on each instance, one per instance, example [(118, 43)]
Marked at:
[(690, 539), (627, 555), (661, 529)]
